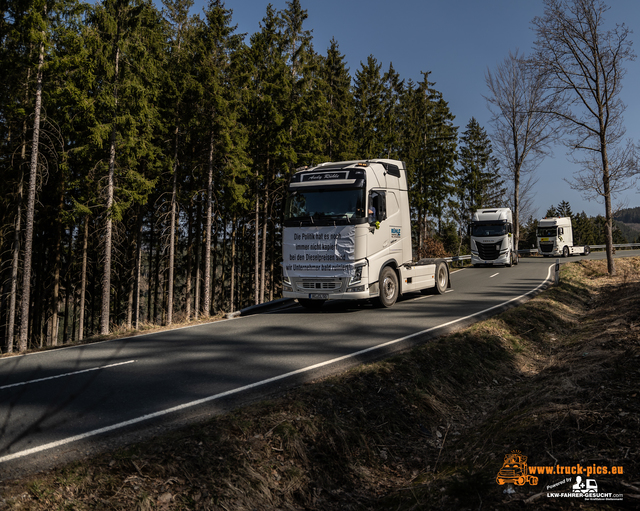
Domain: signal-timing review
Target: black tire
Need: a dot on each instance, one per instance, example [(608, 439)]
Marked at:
[(587, 250), (565, 251), (311, 304), (388, 287), (442, 277)]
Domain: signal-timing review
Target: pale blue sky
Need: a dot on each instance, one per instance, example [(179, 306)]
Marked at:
[(457, 40)]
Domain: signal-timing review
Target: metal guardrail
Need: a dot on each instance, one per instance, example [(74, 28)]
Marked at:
[(535, 251)]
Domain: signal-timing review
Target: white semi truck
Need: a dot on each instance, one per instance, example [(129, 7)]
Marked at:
[(347, 236), (555, 238), (491, 234)]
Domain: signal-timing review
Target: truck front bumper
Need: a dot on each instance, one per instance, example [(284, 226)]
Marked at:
[(328, 289), (502, 259)]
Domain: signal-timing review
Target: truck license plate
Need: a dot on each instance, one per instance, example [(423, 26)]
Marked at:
[(319, 296)]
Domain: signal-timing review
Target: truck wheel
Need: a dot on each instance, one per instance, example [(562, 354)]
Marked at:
[(388, 287), (442, 277), (311, 304), (515, 258), (565, 251), (510, 263), (587, 250)]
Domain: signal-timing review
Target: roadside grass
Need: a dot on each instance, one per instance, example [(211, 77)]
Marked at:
[(556, 378)]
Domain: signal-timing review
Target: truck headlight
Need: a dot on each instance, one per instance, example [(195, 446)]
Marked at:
[(357, 277)]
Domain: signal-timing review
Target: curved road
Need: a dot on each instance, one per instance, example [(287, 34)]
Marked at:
[(63, 404)]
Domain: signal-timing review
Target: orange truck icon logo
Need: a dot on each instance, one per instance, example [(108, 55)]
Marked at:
[(515, 470)]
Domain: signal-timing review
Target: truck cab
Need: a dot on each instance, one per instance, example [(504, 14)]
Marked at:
[(491, 235), (555, 238), (347, 235)]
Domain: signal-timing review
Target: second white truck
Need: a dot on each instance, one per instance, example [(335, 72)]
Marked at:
[(555, 238), (491, 233)]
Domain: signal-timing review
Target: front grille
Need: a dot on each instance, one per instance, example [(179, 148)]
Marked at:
[(546, 247), (488, 251), (319, 285)]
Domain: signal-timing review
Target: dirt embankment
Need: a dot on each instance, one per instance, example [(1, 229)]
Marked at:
[(557, 379)]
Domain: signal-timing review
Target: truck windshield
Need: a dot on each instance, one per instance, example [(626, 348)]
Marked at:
[(481, 230), (544, 232), (323, 207)]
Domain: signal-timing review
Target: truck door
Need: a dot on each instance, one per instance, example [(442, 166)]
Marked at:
[(378, 238)]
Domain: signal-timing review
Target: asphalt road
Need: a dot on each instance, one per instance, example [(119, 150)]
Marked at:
[(59, 405)]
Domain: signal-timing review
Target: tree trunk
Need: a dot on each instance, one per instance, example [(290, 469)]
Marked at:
[(215, 297), (68, 293), (233, 264), (15, 262), (263, 262), (223, 264), (150, 271), (156, 282), (256, 270), (83, 278), (55, 298), (172, 236), (189, 256), (106, 276), (516, 206), (31, 200), (196, 308), (608, 231), (136, 297), (206, 306)]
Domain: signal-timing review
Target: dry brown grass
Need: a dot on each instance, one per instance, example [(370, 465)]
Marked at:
[(557, 378)]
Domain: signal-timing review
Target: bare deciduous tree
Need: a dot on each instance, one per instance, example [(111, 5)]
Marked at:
[(523, 131), (583, 63)]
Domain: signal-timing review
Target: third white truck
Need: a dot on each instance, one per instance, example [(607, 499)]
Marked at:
[(555, 238)]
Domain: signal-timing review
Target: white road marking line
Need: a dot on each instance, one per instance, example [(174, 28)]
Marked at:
[(65, 374), (88, 434), (494, 275)]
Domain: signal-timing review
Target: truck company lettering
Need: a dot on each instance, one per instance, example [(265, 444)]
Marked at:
[(319, 177)]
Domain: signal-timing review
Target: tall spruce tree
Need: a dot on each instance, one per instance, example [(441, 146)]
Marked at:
[(179, 82), (338, 140), (224, 142), (479, 182), (368, 91), (270, 119), (125, 40), (391, 126), (431, 145)]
